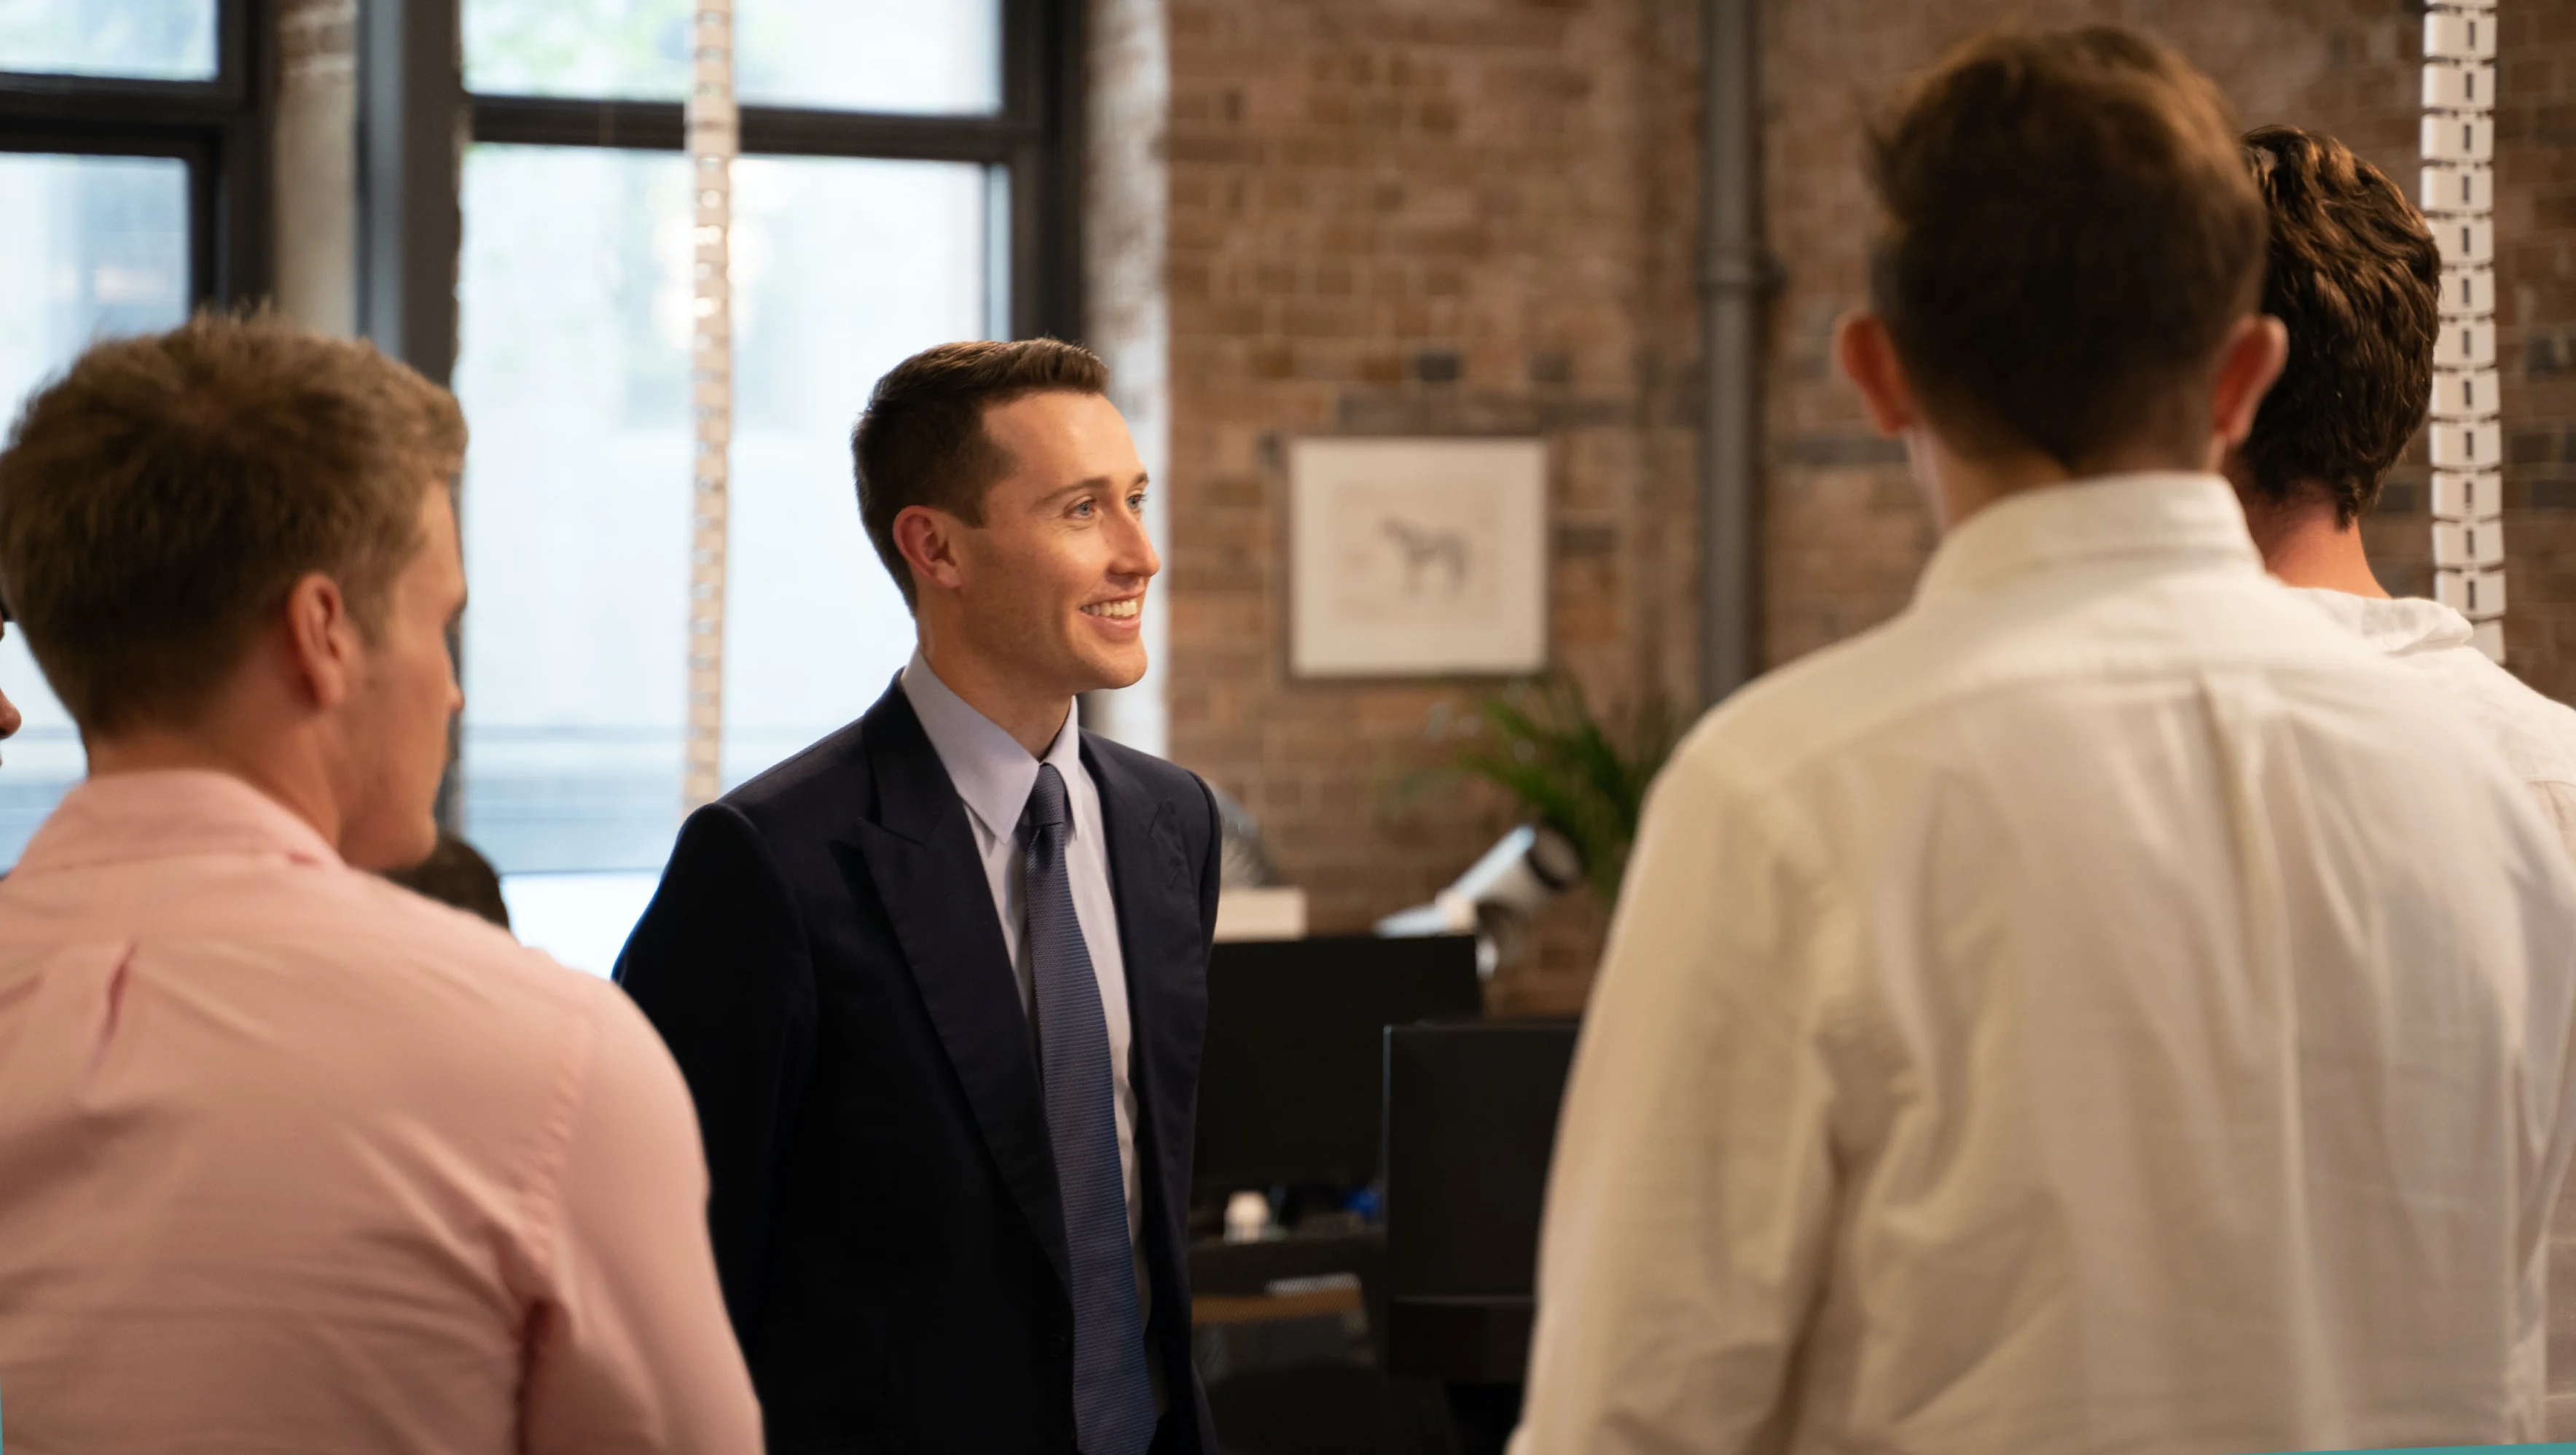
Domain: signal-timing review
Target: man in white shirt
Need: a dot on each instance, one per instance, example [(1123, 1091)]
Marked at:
[(2356, 277), (2102, 1009)]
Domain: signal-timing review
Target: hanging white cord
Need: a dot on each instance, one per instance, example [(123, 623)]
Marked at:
[(2458, 196), (715, 136)]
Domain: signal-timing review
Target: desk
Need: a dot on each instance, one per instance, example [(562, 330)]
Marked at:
[(1288, 1371), (1230, 1282), (1218, 1310), (1246, 1269)]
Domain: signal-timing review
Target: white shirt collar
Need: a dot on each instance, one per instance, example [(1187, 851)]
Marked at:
[(2151, 513), (2395, 625), (990, 769)]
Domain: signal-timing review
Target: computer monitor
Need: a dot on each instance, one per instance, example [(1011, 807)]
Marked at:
[(1471, 1124), (1290, 1085)]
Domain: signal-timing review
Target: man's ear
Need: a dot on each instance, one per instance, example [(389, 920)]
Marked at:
[(2248, 365), (1867, 356), (927, 537), (321, 640)]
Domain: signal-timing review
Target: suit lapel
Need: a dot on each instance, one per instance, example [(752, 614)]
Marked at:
[(1159, 934), (1149, 876), (920, 855)]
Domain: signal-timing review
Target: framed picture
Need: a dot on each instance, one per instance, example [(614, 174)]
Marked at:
[(1417, 557)]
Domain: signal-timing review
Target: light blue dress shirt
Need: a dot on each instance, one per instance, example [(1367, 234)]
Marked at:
[(994, 774)]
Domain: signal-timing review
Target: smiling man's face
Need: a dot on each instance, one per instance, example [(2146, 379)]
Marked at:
[(1054, 579)]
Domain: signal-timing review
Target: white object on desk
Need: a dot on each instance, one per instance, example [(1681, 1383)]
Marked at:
[(1270, 913), (1247, 1217)]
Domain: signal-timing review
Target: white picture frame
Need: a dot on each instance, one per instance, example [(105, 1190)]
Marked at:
[(1417, 557)]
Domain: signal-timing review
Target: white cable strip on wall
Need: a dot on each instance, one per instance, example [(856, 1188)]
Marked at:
[(715, 137), (2458, 197)]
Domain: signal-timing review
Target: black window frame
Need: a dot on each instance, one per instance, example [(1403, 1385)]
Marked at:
[(416, 117), (220, 128), (1035, 137)]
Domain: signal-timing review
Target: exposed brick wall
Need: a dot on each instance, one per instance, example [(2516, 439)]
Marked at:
[(1469, 216), (2536, 346), (1369, 194), (1126, 202), (1847, 531), (1397, 216), (2536, 334)]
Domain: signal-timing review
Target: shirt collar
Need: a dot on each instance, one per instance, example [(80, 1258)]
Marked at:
[(992, 772), (2395, 625), (168, 814), (2152, 513)]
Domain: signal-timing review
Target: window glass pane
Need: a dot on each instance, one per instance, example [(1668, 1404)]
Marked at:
[(96, 246), (841, 268), (575, 322), (573, 335), (916, 56), (628, 49), (930, 56), (155, 40)]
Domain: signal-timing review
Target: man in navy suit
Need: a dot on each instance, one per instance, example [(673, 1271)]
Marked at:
[(938, 981)]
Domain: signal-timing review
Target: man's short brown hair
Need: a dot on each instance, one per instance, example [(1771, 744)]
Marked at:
[(2066, 235), (2357, 278), (922, 440), (160, 499)]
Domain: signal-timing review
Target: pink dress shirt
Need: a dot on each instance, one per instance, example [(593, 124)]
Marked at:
[(294, 1160)]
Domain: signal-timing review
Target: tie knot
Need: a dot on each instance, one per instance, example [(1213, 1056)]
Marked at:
[(1046, 808)]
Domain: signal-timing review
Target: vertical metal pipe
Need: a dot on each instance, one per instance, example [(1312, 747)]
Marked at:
[(411, 108), (1733, 274), (411, 99)]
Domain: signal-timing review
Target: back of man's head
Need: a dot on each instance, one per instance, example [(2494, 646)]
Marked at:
[(2357, 278), (2066, 237), (161, 498)]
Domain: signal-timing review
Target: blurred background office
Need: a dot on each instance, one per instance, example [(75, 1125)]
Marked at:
[(1613, 232), (1339, 218)]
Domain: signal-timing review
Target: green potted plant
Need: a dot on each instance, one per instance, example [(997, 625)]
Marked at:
[(1584, 774)]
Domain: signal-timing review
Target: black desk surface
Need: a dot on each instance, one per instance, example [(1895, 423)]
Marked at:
[(1245, 1269)]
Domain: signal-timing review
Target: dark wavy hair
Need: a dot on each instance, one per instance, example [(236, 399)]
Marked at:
[(2357, 279)]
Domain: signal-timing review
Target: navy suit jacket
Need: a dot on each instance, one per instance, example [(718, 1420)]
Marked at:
[(824, 960)]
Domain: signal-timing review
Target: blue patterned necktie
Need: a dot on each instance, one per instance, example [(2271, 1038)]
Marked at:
[(1113, 1397)]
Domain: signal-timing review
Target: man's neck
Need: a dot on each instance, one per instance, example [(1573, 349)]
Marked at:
[(301, 785), (1032, 715), (2303, 544), (1959, 485)]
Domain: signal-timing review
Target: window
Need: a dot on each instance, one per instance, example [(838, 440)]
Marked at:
[(903, 183), (132, 159)]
